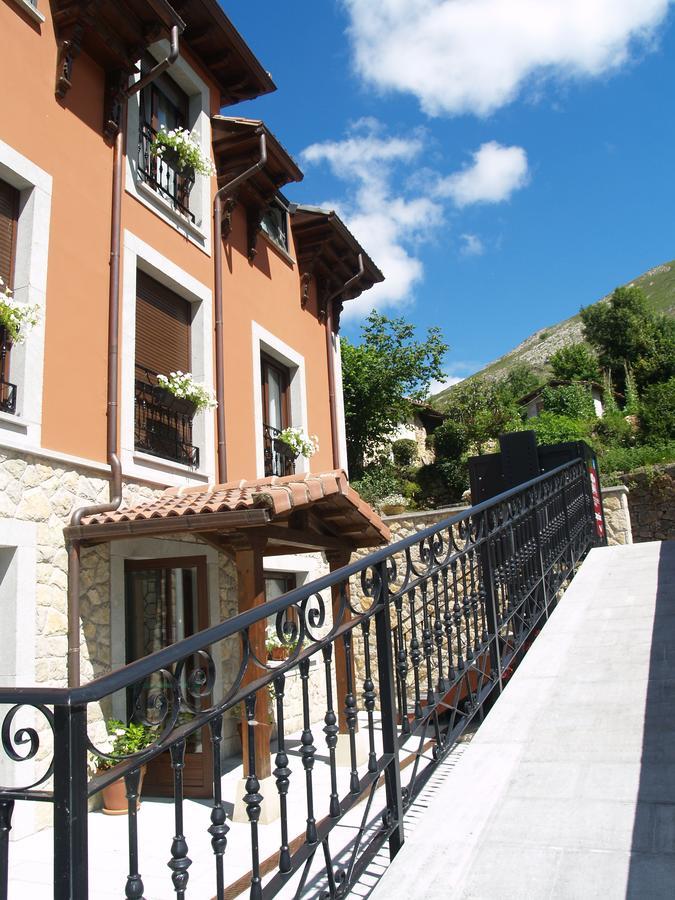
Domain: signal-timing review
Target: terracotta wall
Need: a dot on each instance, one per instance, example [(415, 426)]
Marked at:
[(65, 139)]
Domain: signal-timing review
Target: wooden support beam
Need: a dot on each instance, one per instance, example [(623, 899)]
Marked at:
[(304, 538)]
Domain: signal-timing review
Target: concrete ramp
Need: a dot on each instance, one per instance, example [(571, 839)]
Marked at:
[(568, 788)]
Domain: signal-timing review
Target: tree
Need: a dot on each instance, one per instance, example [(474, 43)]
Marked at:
[(519, 381), (576, 362), (571, 400), (657, 411), (382, 376), (625, 331), (484, 410)]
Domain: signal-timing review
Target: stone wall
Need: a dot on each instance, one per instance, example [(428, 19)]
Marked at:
[(617, 515), (651, 500)]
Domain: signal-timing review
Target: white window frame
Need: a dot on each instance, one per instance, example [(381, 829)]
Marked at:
[(266, 343), (199, 105), (156, 550), (30, 8), (340, 403), (30, 286), (139, 255)]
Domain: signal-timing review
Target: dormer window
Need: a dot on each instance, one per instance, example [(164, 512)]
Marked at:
[(275, 224)]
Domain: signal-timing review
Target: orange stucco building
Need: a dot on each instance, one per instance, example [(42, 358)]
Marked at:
[(139, 266)]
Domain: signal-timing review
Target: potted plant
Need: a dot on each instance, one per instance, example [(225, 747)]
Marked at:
[(393, 504), (16, 319), (182, 152), (123, 741), (181, 393), (296, 442)]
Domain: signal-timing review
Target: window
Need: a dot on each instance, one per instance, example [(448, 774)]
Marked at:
[(163, 105), (275, 225), (275, 416), (163, 423), (9, 213)]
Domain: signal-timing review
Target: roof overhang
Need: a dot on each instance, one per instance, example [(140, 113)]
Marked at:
[(298, 513), (116, 32), (329, 253), (236, 147)]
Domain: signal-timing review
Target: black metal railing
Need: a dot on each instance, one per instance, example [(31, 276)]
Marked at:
[(279, 458), (170, 183), (411, 643), (163, 423), (7, 389)]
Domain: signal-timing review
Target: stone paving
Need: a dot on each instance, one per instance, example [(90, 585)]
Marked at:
[(568, 789)]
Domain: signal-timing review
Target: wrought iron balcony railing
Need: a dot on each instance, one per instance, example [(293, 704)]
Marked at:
[(438, 622), (171, 184), (279, 458), (7, 389), (163, 423)]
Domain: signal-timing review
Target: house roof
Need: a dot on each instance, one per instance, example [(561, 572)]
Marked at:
[(306, 511), (328, 250), (236, 143), (556, 382)]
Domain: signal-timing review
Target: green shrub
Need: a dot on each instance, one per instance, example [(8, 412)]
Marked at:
[(657, 411), (626, 459), (576, 362), (404, 451), (441, 483), (450, 440), (553, 429), (379, 479), (612, 430), (571, 400)]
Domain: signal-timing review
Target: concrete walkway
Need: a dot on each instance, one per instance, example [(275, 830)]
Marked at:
[(568, 788)]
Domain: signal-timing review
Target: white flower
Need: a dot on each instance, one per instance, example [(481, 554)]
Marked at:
[(299, 441), (183, 386), (187, 148), (16, 318)]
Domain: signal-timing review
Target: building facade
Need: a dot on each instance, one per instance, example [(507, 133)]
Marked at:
[(138, 267)]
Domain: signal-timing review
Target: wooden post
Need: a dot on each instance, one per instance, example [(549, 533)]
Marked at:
[(337, 559), (251, 590)]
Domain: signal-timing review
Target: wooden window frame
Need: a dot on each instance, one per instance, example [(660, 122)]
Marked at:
[(8, 274)]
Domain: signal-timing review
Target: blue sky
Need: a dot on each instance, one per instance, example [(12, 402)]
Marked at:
[(503, 161)]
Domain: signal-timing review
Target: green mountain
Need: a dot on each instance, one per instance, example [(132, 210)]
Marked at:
[(535, 351)]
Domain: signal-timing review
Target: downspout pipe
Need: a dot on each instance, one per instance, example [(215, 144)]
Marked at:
[(112, 431), (220, 194), (330, 354)]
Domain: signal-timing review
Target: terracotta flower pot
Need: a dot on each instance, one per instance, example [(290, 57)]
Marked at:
[(278, 653), (115, 801)]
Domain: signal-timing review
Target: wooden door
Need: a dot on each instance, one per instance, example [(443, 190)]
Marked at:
[(166, 601)]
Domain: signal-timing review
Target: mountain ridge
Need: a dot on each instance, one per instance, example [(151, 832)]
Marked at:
[(658, 284)]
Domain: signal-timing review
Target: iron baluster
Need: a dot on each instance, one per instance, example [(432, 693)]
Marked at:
[(466, 611), (71, 871), (402, 664), (369, 696), (180, 862), (438, 637), (447, 623), (415, 655), (457, 615), (474, 602), (385, 672), (134, 886), (307, 750), (282, 773), (427, 644), (218, 828), (6, 810), (487, 563), (253, 798), (330, 729), (350, 713)]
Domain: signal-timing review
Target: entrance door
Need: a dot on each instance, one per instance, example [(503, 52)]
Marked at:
[(166, 601)]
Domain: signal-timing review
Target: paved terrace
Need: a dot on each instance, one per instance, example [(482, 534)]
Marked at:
[(568, 788)]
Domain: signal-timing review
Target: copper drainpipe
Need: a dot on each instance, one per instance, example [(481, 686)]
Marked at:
[(73, 660), (218, 298), (330, 353)]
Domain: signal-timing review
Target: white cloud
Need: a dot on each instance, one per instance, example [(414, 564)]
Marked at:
[(386, 221), (472, 245), (475, 56), (392, 212), (494, 174), (437, 386)]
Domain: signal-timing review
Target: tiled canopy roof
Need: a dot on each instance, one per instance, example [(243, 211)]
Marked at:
[(337, 507)]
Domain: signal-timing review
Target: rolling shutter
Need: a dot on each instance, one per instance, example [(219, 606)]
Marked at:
[(9, 208), (162, 328)]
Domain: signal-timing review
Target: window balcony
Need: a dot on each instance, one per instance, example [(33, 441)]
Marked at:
[(172, 185), (279, 458), (7, 389), (163, 423)]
